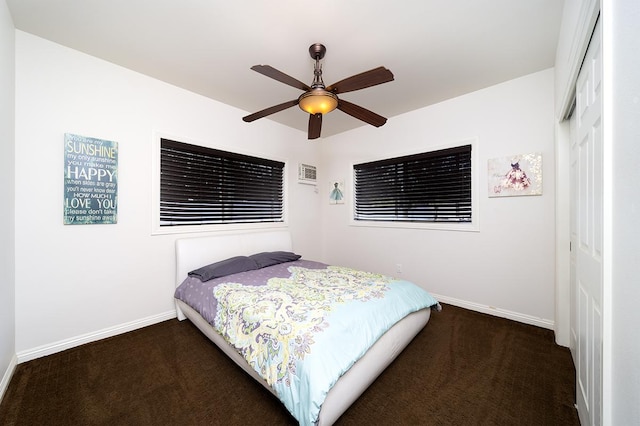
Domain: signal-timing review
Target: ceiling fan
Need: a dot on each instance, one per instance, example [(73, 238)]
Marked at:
[(318, 100)]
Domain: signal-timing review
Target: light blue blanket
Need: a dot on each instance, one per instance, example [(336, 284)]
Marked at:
[(303, 332)]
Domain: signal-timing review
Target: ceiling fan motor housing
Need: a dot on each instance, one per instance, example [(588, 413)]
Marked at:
[(317, 51)]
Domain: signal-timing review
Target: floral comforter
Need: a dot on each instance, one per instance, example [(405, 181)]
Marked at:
[(302, 324)]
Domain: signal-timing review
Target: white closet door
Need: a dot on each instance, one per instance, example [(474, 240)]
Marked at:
[(587, 234)]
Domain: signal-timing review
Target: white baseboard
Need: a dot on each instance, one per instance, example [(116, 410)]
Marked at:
[(498, 312), (62, 345), (6, 378)]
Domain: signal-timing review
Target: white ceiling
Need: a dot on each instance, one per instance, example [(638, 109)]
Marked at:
[(436, 49)]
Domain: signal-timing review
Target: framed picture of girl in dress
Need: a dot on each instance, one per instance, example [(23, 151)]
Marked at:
[(336, 194), (515, 175)]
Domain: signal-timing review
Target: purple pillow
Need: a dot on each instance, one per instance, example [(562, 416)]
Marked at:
[(269, 258), (233, 265)]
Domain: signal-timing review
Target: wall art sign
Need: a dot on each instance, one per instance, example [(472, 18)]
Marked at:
[(515, 175), (336, 196), (90, 180)]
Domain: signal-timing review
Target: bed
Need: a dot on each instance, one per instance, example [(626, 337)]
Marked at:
[(194, 253)]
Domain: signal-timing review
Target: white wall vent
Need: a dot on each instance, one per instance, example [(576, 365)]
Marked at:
[(307, 174)]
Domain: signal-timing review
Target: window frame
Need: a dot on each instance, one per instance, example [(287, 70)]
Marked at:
[(472, 226), (157, 229)]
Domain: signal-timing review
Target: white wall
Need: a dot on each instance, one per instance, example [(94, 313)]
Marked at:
[(75, 283), (621, 44), (7, 190), (78, 283), (507, 268)]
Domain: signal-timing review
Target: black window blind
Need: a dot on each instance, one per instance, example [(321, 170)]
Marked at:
[(201, 186), (428, 187)]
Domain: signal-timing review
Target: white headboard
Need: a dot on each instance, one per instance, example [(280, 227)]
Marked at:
[(192, 253)]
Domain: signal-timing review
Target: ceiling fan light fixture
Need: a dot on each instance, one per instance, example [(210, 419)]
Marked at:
[(318, 101)]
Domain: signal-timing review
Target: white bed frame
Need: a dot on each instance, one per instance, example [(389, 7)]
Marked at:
[(192, 253)]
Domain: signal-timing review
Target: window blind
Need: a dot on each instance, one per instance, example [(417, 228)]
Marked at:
[(428, 187), (201, 185)]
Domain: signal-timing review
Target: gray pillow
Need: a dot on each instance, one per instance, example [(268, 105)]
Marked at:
[(269, 258), (233, 265)]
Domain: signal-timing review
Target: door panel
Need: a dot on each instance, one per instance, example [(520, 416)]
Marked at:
[(587, 234)]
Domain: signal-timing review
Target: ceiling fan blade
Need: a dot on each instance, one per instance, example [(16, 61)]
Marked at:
[(363, 80), (269, 71), (315, 125), (361, 113), (268, 111)]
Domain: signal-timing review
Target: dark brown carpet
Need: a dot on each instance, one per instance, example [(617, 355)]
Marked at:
[(464, 368)]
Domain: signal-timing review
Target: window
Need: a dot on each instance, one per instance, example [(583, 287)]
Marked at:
[(200, 186), (430, 187)]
